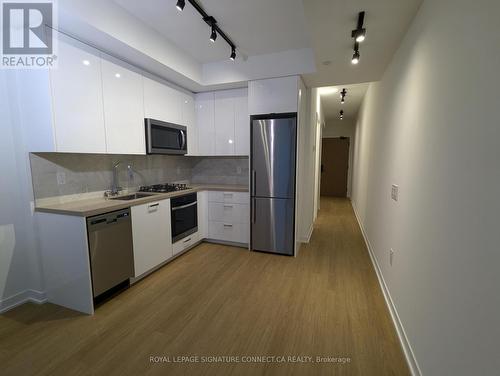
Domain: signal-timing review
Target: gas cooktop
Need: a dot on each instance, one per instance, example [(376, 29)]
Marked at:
[(164, 188)]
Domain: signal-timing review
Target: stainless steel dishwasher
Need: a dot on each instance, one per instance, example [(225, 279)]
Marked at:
[(111, 250)]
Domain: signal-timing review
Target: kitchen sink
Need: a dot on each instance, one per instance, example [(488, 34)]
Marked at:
[(134, 196)]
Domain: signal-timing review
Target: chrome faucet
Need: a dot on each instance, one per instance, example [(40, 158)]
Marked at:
[(114, 183), (115, 188)]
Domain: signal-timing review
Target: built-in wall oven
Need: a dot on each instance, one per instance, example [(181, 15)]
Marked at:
[(184, 216), (165, 138)]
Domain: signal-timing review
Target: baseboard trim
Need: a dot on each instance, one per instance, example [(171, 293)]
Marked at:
[(34, 296), (307, 238), (403, 339)]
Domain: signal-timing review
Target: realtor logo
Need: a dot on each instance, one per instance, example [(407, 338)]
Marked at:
[(27, 34)]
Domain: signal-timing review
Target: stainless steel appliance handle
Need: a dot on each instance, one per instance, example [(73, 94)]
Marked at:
[(187, 240), (183, 136), (184, 206), (254, 177)]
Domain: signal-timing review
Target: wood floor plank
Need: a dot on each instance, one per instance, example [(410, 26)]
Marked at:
[(225, 301)]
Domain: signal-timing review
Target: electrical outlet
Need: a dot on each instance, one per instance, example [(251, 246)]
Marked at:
[(391, 256), (395, 192), (61, 178), (238, 170)]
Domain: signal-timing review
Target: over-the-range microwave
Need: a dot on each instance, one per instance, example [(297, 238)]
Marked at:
[(165, 138)]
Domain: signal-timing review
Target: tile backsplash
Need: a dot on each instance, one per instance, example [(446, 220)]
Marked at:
[(61, 174)]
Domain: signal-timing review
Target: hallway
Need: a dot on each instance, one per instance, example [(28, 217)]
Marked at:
[(210, 302)]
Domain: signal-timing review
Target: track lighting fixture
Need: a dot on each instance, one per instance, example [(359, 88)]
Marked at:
[(213, 35), (341, 114), (212, 22), (180, 5), (343, 93), (359, 34), (356, 56)]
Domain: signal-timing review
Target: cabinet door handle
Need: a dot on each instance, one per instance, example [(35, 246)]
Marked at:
[(228, 225), (187, 240), (228, 194), (228, 206), (153, 207)]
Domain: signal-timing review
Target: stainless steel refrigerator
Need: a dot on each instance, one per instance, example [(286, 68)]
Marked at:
[(273, 157)]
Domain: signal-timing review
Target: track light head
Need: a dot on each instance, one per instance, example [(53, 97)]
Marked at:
[(233, 54), (359, 35), (343, 93), (356, 56), (341, 114), (180, 5), (213, 35)]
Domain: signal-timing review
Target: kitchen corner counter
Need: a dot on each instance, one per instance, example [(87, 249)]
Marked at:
[(96, 206)]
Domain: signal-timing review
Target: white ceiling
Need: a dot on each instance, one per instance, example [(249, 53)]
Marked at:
[(330, 23), (279, 37), (331, 102), (257, 27)]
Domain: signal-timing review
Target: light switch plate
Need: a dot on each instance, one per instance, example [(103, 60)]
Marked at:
[(395, 192), (391, 256)]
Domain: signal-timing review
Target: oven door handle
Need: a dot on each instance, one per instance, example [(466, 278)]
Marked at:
[(184, 206)]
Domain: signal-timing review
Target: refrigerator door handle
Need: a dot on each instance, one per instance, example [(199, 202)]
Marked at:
[(254, 176), (253, 210)]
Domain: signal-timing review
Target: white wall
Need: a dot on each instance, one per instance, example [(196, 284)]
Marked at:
[(343, 128), (20, 273), (317, 122), (305, 167), (432, 127)]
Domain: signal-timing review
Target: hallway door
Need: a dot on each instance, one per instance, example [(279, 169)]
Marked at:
[(334, 166)]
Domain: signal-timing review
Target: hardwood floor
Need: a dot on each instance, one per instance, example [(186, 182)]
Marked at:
[(224, 301)]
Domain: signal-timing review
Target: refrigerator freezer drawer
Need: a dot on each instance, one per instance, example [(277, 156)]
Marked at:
[(273, 228)]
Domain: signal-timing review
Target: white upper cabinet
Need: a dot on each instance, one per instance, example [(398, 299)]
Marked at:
[(274, 95), (224, 122), (161, 102), (77, 99), (123, 108), (93, 103), (206, 124), (189, 120), (241, 123)]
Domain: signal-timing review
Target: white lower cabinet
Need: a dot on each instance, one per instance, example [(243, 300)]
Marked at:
[(230, 213), (152, 235), (185, 243), (229, 216), (202, 214), (229, 197), (229, 232)]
